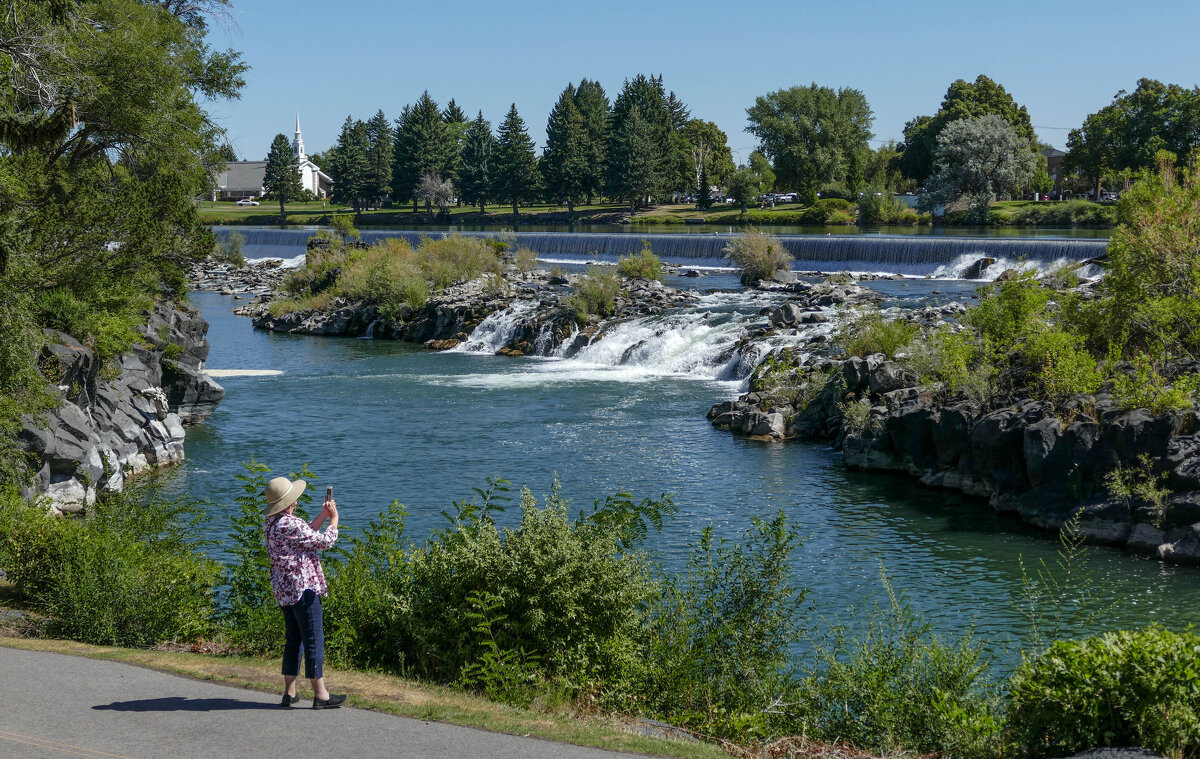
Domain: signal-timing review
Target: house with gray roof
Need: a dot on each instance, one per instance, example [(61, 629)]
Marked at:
[(244, 179)]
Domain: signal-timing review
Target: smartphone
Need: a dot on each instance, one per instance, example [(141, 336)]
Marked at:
[(329, 493)]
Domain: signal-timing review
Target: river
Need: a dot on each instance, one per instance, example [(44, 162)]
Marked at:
[(382, 420)]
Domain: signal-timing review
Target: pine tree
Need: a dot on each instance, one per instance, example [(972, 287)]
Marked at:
[(647, 95), (516, 168), (594, 109), (702, 198), (350, 168), (479, 145), (635, 159), (456, 121), (380, 145), (433, 144), (281, 181), (404, 170), (565, 159)]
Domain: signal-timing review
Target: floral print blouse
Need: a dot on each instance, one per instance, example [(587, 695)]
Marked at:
[(295, 566)]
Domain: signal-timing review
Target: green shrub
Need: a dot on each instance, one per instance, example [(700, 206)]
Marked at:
[(1064, 369), (869, 332), (594, 293), (898, 687), (718, 635), (827, 211), (525, 259), (1132, 688), (229, 250), (642, 265), (456, 258), (388, 276), (1142, 482), (343, 226), (878, 209), (856, 415), (1010, 310), (957, 361), (759, 255), (130, 575), (841, 218), (250, 613), (1144, 387)]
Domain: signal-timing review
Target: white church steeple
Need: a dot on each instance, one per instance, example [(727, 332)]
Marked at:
[(298, 141)]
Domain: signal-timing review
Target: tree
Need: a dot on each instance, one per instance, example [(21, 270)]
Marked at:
[(709, 150), (436, 191), (764, 176), (565, 160), (350, 168), (975, 159), (475, 177), (516, 169), (381, 144), (456, 122), (404, 168), (635, 159), (743, 186), (594, 109), (227, 153), (963, 100), (648, 96), (1127, 134), (424, 143), (281, 181), (809, 133)]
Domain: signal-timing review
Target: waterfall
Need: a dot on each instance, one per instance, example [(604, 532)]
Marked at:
[(909, 254), (498, 329)]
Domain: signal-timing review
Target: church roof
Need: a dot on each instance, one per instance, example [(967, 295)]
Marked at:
[(242, 175)]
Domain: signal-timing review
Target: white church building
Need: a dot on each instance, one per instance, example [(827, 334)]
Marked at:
[(244, 179)]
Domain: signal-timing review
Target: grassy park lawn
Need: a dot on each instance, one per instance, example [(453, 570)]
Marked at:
[(222, 212)]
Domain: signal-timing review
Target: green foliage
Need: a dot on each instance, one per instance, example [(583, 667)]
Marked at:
[(956, 360), (343, 226), (281, 179), (828, 211), (863, 334), (1133, 688), (642, 265), (1064, 368), (525, 259), (564, 161), (975, 160), (594, 293), (515, 177), (810, 132), (229, 249), (878, 208), (505, 675), (856, 415), (475, 175), (1143, 483), (250, 612), (129, 575), (718, 636), (758, 254), (898, 686), (1009, 310), (1071, 213), (1144, 387)]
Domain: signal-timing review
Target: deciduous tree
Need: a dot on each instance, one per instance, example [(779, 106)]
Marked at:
[(809, 133), (975, 159)]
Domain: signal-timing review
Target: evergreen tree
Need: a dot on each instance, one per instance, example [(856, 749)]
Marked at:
[(404, 169), (516, 168), (226, 153), (433, 144), (380, 146), (703, 200), (282, 178), (635, 166), (677, 173), (594, 109), (350, 168), (566, 159), (479, 145), (457, 122), (659, 112)]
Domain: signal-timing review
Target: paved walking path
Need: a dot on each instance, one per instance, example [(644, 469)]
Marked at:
[(58, 706)]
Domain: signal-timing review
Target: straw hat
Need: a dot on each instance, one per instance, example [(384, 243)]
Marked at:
[(281, 493)]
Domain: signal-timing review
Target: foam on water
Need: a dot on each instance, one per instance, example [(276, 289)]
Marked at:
[(498, 329)]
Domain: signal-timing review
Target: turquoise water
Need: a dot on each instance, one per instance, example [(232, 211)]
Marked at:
[(383, 421)]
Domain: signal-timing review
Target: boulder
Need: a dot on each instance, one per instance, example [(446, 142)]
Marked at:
[(786, 315), (975, 270)]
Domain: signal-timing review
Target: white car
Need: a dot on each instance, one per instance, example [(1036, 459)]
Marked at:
[(247, 202)]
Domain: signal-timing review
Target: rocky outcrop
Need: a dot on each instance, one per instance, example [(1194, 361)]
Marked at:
[(1044, 465), (120, 419), (258, 278)]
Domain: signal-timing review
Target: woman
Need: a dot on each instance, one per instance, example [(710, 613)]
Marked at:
[(298, 583)]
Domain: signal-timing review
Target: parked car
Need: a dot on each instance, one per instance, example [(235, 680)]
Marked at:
[(247, 202)]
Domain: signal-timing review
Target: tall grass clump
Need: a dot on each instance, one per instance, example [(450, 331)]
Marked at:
[(594, 293), (759, 255), (456, 258), (130, 574), (641, 265), (229, 250), (868, 332), (388, 275)]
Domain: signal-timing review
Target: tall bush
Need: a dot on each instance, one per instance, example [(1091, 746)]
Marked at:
[(758, 254)]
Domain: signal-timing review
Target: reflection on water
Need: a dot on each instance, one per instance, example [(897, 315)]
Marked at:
[(384, 421)]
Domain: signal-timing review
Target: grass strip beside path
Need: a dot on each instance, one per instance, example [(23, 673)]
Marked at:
[(392, 695)]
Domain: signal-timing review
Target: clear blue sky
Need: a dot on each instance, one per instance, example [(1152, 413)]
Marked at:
[(1062, 60)]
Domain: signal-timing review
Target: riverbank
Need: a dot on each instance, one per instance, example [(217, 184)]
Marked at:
[(118, 419)]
